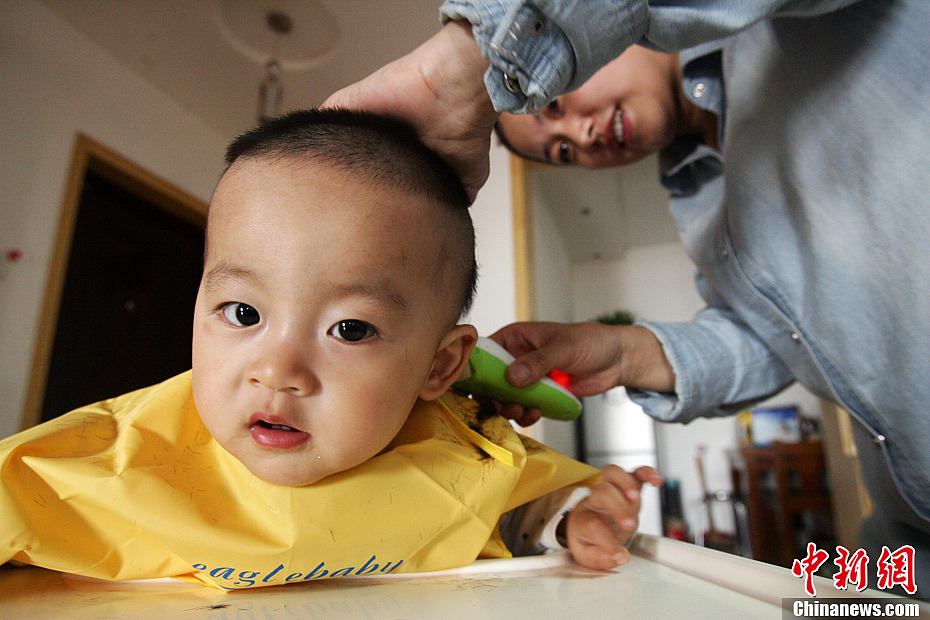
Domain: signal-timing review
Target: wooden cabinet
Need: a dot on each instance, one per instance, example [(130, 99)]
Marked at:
[(787, 498)]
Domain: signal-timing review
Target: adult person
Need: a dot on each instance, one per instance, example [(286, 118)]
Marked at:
[(807, 215)]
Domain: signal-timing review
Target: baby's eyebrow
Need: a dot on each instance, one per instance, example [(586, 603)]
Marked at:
[(382, 292), (224, 272)]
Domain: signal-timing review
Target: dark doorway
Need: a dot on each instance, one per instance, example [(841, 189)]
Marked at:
[(126, 311)]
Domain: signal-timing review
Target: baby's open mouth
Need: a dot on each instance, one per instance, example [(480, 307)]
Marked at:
[(276, 427), (277, 436)]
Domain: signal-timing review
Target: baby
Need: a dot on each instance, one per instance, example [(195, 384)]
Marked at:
[(316, 435), (336, 268)]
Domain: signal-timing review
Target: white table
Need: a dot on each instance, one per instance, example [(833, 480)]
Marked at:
[(665, 579)]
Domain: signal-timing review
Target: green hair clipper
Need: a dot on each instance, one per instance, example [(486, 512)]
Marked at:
[(488, 365)]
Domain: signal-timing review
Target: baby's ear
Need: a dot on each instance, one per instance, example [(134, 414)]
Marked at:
[(450, 359)]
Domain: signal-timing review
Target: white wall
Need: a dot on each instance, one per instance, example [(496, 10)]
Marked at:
[(553, 268), (495, 302), (56, 83)]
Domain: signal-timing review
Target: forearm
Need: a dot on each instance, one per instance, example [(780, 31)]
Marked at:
[(643, 363)]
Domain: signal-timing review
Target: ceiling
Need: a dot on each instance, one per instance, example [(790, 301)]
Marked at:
[(180, 47), (603, 213)]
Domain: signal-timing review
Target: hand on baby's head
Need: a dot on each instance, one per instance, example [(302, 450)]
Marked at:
[(602, 524)]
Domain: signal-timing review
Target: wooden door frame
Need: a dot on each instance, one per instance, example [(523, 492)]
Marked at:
[(524, 259), (91, 155)]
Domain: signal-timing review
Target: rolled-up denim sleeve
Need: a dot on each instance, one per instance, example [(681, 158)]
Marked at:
[(540, 49), (720, 368)]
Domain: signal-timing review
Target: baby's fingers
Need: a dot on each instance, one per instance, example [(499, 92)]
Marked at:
[(602, 523), (627, 485), (613, 505), (630, 484), (593, 540), (648, 475)]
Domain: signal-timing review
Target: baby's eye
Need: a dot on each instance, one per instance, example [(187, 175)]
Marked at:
[(563, 153), (241, 314), (352, 330)]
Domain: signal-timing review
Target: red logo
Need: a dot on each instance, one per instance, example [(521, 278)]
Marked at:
[(852, 569), (808, 566), (897, 568), (893, 567)]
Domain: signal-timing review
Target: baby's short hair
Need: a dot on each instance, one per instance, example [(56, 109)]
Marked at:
[(385, 151)]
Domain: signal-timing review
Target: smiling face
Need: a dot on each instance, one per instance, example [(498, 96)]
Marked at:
[(323, 314), (631, 108)]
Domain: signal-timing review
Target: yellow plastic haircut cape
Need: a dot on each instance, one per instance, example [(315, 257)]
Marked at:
[(136, 488)]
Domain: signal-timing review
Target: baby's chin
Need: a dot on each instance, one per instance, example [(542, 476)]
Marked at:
[(295, 469), (284, 472), (298, 473), (285, 478)]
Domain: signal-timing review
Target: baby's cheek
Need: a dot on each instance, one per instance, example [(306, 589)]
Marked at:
[(204, 402)]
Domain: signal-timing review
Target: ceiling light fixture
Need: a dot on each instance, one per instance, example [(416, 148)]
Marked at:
[(270, 91), (279, 36)]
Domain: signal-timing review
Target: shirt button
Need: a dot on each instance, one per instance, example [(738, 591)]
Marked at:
[(796, 337), (878, 440), (724, 253), (512, 84), (699, 89)]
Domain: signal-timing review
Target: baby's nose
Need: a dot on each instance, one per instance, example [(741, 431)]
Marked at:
[(284, 369)]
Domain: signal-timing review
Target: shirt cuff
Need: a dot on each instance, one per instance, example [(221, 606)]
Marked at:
[(531, 58), (695, 355), (549, 537), (537, 54)]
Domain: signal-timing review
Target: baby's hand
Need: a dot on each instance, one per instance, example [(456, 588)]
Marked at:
[(602, 523)]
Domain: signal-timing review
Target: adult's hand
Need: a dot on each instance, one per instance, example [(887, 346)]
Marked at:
[(439, 88), (595, 356)]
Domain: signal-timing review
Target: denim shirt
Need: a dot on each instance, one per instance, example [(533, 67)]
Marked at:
[(539, 49), (813, 242)]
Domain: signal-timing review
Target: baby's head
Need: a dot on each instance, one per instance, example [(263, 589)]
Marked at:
[(340, 257)]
